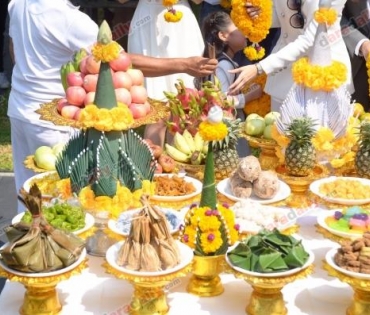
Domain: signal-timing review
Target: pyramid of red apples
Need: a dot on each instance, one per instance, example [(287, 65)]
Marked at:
[(80, 77)]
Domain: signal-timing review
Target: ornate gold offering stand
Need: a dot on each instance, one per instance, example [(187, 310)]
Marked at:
[(41, 297), (266, 297), (361, 299), (205, 280), (149, 297)]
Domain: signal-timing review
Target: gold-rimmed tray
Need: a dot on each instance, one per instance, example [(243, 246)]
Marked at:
[(49, 112), (30, 164)]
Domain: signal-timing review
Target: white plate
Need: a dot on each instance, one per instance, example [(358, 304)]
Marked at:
[(27, 183), (329, 257), (43, 274), (321, 221), (89, 222), (197, 184), (122, 225), (224, 188), (289, 272), (186, 258), (315, 188)]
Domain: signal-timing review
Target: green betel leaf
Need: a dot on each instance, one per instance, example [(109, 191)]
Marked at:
[(237, 260), (272, 262), (297, 257), (241, 249)]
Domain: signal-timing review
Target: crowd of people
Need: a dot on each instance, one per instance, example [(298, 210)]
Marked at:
[(44, 34)]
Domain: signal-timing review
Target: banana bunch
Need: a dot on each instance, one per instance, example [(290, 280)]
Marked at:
[(77, 58), (64, 71), (187, 149)]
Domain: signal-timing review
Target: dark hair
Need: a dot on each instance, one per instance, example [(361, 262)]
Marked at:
[(214, 23)]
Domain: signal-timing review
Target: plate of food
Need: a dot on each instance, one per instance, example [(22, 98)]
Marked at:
[(348, 191), (224, 188), (46, 182), (122, 225), (348, 223), (62, 216), (172, 187)]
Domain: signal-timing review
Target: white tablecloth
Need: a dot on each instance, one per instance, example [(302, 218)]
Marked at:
[(98, 293)]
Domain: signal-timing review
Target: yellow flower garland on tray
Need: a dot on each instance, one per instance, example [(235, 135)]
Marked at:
[(262, 105), (171, 15), (255, 29), (319, 78), (326, 15), (106, 53), (118, 118)]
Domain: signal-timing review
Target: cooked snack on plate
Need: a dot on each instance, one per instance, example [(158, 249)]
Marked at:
[(345, 189), (172, 186)]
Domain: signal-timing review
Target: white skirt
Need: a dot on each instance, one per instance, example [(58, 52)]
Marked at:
[(151, 35)]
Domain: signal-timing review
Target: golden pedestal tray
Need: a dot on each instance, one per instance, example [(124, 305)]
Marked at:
[(331, 236), (30, 164), (149, 297), (360, 284), (41, 297), (267, 158), (267, 297)]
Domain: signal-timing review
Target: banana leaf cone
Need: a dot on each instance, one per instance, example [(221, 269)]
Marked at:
[(38, 247), (208, 196)]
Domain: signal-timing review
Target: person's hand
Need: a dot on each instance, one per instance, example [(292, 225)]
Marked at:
[(200, 66), (247, 73), (365, 48), (252, 11)]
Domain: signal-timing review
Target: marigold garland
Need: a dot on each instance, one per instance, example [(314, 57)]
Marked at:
[(226, 4), (326, 15), (254, 52), (212, 132), (171, 15), (368, 71), (118, 118), (319, 78), (255, 29), (106, 53)]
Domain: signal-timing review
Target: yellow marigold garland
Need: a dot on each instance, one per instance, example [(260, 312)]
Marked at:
[(171, 15), (212, 132), (254, 52), (118, 118), (106, 53), (368, 70), (319, 78), (255, 29), (326, 15), (226, 4)]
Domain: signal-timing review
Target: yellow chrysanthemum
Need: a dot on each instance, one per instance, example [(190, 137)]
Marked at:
[(211, 223), (87, 198), (169, 3), (189, 236), (319, 78), (106, 53), (211, 241), (212, 132), (254, 53), (326, 15)]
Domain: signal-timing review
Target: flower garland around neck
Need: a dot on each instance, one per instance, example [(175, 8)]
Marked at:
[(326, 15), (118, 118), (368, 70), (261, 105), (255, 29), (319, 78), (171, 15)]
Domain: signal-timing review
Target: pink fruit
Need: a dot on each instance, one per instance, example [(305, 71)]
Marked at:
[(75, 79), (138, 94), (90, 82), (69, 111), (122, 63), (75, 95), (137, 110), (83, 66), (147, 106), (89, 98), (61, 103), (137, 76), (92, 66), (77, 114), (122, 80), (123, 95)]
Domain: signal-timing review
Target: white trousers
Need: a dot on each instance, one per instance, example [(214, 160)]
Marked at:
[(26, 138)]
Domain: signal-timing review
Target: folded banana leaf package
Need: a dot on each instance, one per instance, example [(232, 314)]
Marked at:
[(38, 247), (268, 252)]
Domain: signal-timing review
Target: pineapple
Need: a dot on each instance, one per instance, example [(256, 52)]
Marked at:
[(225, 156), (300, 153), (362, 158)]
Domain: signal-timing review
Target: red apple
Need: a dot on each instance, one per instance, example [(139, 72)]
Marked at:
[(137, 76), (89, 98), (122, 63), (123, 95), (122, 80), (138, 94), (137, 110), (147, 106), (92, 66), (77, 114), (61, 103), (69, 111), (75, 95), (83, 66), (90, 82), (75, 79)]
